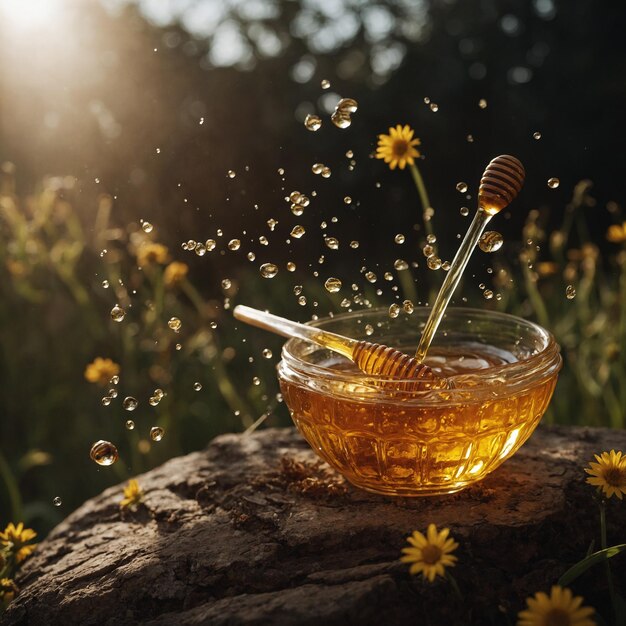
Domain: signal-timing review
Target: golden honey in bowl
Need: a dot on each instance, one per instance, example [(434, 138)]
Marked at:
[(502, 369)]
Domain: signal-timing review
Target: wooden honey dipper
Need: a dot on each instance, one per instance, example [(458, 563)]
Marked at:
[(500, 183), (371, 358)]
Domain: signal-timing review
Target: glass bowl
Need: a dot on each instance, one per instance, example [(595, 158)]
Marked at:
[(502, 370)]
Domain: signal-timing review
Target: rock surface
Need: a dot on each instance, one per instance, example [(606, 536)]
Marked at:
[(253, 530)]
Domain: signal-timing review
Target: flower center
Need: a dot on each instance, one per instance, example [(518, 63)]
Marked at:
[(400, 147), (431, 554), (557, 617), (615, 476)]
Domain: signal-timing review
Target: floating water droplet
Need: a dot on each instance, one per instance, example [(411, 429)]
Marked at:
[(256, 381), (570, 292), (347, 105), (482, 103), (349, 154), (232, 174), (348, 200), (103, 453), (297, 290), (251, 256), (428, 251), (200, 249), (130, 425), (301, 300), (317, 168), (267, 353), (490, 241), (431, 239), (433, 262), (263, 240), (57, 501), (175, 324), (464, 211), (399, 238), (470, 139), (197, 386), (297, 209), (370, 277), (434, 107), (234, 244), (115, 380), (156, 433), (408, 307), (226, 283), (105, 284), (394, 310), (553, 183), (445, 266), (106, 400), (461, 187), (400, 264), (297, 231), (369, 329), (332, 243), (326, 173), (210, 244), (129, 403), (325, 84), (268, 270), (537, 135), (272, 223), (312, 122), (332, 284), (354, 244), (388, 276), (146, 227), (487, 294), (117, 313)]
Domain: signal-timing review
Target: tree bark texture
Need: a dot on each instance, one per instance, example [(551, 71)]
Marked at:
[(256, 530)]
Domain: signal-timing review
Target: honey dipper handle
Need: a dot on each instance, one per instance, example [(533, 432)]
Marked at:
[(287, 328)]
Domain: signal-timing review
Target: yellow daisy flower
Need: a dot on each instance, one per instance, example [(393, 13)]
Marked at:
[(101, 371), (561, 608), (133, 495), (609, 473), (616, 233), (430, 554), (149, 253), (397, 148), (16, 538), (174, 273), (8, 591)]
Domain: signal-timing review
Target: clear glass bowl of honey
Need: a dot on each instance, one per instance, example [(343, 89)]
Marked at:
[(501, 369)]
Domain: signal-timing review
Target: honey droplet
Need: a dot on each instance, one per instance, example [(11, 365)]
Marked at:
[(370, 277), (297, 231), (394, 310), (490, 241), (461, 187), (175, 324), (117, 313), (347, 105), (482, 103), (488, 294), (433, 262), (312, 122), (263, 240), (332, 243), (537, 135), (57, 501), (291, 266), (210, 244), (268, 270), (156, 433), (326, 173), (333, 285), (234, 244), (272, 223), (115, 380), (553, 183), (231, 174), (399, 238), (325, 84), (570, 292), (129, 403), (103, 453), (400, 264), (130, 425)]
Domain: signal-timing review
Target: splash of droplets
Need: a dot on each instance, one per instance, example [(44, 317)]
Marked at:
[(297, 231), (104, 453), (268, 270), (234, 244), (394, 310), (553, 183), (490, 241), (117, 313), (175, 324), (156, 433), (341, 116), (129, 403), (312, 122), (332, 284), (461, 187), (570, 292)]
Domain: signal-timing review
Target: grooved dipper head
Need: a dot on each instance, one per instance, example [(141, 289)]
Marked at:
[(501, 182)]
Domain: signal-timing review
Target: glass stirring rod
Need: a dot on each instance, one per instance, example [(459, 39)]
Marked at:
[(500, 183), (370, 358)]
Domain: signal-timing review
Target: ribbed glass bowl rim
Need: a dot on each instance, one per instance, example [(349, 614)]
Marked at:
[(514, 376)]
